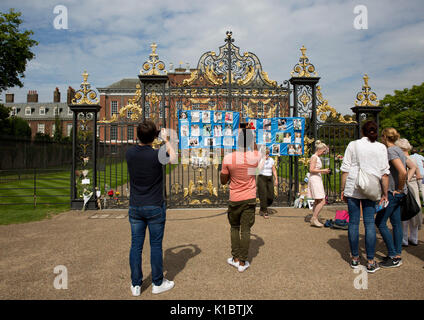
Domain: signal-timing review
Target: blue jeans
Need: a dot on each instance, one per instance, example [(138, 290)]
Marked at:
[(368, 212), (153, 217), (393, 243)]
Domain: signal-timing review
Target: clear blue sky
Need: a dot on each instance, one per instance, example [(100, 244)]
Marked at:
[(111, 39)]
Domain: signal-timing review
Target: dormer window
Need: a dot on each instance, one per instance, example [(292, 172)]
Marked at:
[(56, 111), (70, 112), (28, 111), (42, 111)]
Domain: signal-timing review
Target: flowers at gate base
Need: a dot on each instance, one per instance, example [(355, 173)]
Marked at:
[(339, 157), (86, 196), (117, 193), (110, 193)]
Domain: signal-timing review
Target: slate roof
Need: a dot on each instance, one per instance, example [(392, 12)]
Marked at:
[(35, 110), (126, 84)]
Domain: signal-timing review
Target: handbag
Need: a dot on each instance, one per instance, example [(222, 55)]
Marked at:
[(367, 183), (409, 206)]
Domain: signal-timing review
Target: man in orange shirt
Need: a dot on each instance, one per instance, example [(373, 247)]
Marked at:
[(239, 168)]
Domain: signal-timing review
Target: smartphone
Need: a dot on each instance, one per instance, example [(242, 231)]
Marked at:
[(379, 207)]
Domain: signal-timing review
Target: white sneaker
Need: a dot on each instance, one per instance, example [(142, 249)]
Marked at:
[(165, 286), (135, 290), (242, 268), (232, 262)]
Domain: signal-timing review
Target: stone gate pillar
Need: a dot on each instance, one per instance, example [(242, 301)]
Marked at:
[(85, 106), (304, 80), (366, 103), (153, 78)]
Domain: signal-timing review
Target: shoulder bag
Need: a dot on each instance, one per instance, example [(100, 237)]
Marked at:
[(367, 183), (409, 206)]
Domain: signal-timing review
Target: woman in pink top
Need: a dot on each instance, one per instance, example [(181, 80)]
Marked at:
[(315, 184)]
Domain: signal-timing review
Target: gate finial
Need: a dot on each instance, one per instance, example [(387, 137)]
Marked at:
[(366, 98), (85, 95), (304, 68), (153, 66)]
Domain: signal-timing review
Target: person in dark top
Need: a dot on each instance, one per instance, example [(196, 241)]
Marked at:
[(147, 206)]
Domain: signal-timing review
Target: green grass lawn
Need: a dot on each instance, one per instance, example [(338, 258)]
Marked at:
[(27, 213), (17, 201), (52, 189)]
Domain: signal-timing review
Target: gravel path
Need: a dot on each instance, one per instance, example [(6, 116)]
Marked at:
[(289, 259)]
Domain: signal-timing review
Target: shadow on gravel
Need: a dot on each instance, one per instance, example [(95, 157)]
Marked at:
[(175, 260), (177, 257), (254, 246), (417, 251), (342, 246)]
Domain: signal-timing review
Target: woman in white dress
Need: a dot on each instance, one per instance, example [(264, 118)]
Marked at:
[(315, 184)]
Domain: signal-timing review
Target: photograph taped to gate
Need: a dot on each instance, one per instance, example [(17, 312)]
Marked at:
[(195, 116), (217, 130), (228, 130), (206, 117), (184, 130), (194, 142), (195, 130), (183, 115), (228, 117), (275, 149), (298, 149), (282, 124), (297, 124), (297, 137), (279, 137), (207, 130), (228, 141), (217, 116), (209, 142)]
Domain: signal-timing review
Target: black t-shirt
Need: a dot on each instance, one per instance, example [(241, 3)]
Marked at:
[(146, 176)]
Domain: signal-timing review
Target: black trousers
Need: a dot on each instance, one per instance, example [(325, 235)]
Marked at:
[(265, 191)]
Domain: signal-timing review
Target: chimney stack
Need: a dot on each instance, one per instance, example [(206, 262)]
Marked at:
[(10, 98), (71, 94), (32, 96), (56, 95)]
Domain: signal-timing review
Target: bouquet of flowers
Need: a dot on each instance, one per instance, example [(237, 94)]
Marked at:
[(339, 158), (87, 194)]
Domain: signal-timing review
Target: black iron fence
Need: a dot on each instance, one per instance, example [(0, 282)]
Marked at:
[(18, 153), (34, 187)]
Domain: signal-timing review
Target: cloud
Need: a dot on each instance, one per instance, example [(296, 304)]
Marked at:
[(112, 40)]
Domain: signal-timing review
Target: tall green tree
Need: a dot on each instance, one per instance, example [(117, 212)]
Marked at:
[(404, 111), (15, 49), (13, 126)]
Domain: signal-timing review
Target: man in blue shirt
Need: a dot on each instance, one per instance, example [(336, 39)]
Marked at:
[(147, 205)]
